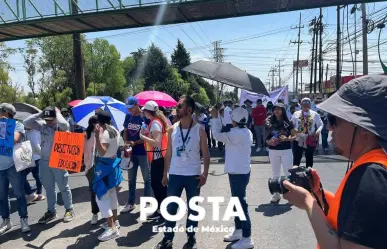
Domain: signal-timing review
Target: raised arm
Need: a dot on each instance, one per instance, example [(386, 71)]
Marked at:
[(32, 122), (62, 123)]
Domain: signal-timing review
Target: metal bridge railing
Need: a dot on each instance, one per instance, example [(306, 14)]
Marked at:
[(23, 10)]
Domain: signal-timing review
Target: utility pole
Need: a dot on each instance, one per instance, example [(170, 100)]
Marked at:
[(365, 39), (298, 50), (279, 71), (78, 59), (218, 56), (326, 73), (338, 50), (316, 57), (272, 72), (320, 25), (313, 48), (301, 79)]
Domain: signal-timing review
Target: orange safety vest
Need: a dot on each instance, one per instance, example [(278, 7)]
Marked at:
[(375, 156), (164, 142)]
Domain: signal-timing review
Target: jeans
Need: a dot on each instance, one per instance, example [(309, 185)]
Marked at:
[(298, 153), (141, 161), (324, 134), (176, 185), (94, 205), (157, 172), (207, 129), (238, 184), (36, 174), (49, 177), (260, 135), (278, 158), (17, 181)]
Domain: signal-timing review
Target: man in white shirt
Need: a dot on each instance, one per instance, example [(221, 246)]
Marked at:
[(308, 125), (183, 164), (227, 122)]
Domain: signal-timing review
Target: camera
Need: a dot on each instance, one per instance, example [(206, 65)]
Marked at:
[(299, 176)]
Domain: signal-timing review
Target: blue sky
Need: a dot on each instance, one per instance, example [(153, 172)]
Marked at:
[(256, 56)]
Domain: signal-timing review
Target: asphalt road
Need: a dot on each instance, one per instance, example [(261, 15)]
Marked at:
[(273, 226)]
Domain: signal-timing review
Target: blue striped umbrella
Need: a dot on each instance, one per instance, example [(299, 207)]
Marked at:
[(86, 109)]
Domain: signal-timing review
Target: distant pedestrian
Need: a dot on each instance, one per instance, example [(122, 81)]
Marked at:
[(259, 115)]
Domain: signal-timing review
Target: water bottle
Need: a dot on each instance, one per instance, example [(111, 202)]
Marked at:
[(275, 135), (144, 126)]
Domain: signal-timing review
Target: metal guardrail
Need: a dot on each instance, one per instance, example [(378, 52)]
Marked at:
[(12, 11)]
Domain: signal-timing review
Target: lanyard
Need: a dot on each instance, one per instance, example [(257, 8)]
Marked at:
[(186, 136)]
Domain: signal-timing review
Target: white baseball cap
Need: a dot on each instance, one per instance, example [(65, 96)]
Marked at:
[(151, 106), (240, 115)]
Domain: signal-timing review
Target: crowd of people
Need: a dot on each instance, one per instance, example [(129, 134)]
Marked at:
[(172, 152)]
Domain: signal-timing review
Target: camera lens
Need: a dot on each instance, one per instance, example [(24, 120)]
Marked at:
[(276, 185)]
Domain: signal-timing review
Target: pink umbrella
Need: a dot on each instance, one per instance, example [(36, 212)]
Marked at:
[(74, 102), (162, 99)]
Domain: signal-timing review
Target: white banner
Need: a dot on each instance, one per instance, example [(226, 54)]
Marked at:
[(281, 93)]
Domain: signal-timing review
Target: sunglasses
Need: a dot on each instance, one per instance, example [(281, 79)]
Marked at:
[(332, 120)]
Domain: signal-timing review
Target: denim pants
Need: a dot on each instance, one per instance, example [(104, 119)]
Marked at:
[(17, 182), (36, 174), (238, 184), (324, 134), (176, 185), (142, 162), (49, 177)]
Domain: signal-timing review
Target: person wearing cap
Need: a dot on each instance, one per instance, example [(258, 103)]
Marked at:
[(280, 134), (107, 174), (132, 127), (48, 122), (238, 142), (259, 116), (8, 174), (355, 216), (308, 125), (227, 122), (69, 118), (156, 143), (183, 170)]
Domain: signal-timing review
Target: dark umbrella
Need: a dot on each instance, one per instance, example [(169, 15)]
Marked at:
[(23, 110), (228, 74)]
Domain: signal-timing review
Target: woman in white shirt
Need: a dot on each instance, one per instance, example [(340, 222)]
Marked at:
[(107, 141), (238, 142), (156, 144), (88, 158)]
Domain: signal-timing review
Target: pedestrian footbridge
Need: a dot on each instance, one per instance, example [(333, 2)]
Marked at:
[(21, 19)]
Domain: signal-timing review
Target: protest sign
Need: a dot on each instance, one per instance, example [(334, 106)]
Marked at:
[(67, 151), (7, 136), (281, 93)]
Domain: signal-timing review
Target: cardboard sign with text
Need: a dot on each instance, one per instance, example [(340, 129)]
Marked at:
[(67, 151), (7, 134)]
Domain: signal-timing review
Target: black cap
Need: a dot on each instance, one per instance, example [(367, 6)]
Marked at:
[(49, 113), (104, 117)]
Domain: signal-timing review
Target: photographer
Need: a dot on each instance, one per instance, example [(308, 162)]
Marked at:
[(355, 217)]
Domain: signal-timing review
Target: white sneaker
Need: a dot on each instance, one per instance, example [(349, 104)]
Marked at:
[(109, 234), (94, 219), (258, 149), (5, 226), (128, 208), (106, 226), (244, 243), (234, 236), (25, 228), (276, 198)]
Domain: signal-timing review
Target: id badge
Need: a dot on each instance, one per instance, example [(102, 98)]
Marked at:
[(184, 156)]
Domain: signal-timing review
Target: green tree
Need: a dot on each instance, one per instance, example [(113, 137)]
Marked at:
[(175, 86), (133, 85), (156, 67), (54, 93), (180, 58), (103, 65), (201, 97), (30, 64)]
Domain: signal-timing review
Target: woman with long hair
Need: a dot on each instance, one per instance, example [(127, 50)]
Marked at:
[(108, 175), (280, 134), (88, 158), (156, 142)]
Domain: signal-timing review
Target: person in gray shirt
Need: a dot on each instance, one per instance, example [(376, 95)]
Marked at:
[(48, 122)]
